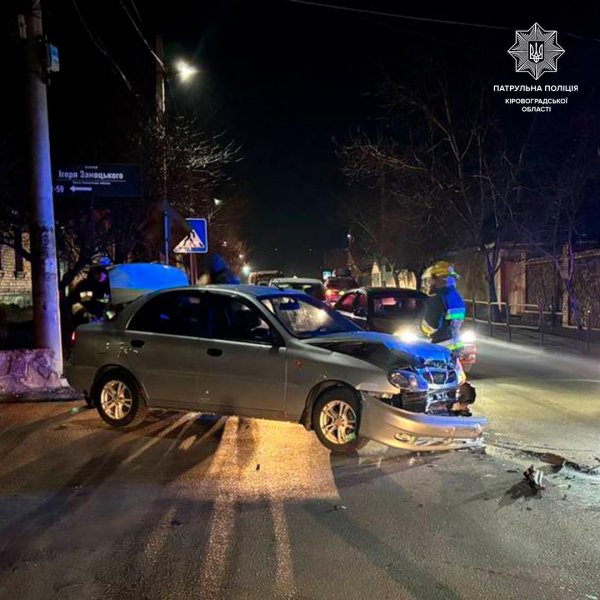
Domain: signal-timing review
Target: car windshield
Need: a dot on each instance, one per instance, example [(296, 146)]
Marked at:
[(307, 317), (396, 305)]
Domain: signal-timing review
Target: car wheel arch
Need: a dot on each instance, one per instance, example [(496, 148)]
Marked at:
[(316, 392), (102, 371)]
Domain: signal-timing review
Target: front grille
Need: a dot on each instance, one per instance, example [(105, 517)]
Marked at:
[(440, 377), (436, 364)]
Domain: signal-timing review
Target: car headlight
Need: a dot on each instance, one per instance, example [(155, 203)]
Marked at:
[(407, 335), (407, 380), (467, 337)]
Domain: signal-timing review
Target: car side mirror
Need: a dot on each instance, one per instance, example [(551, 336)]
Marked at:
[(360, 312)]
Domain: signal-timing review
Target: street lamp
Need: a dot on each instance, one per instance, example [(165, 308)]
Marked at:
[(184, 70)]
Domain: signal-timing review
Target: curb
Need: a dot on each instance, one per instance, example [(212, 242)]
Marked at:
[(60, 394)]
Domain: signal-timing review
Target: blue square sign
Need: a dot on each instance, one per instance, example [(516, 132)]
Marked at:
[(196, 241)]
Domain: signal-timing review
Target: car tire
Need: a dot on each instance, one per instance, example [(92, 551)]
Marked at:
[(338, 403), (118, 399)]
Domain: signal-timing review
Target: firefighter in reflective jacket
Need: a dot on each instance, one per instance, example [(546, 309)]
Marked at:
[(444, 309), (90, 297)]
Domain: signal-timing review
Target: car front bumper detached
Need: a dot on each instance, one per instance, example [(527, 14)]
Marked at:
[(419, 432)]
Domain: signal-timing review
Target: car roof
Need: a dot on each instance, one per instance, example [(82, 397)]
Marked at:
[(388, 290), (245, 289), (300, 280)]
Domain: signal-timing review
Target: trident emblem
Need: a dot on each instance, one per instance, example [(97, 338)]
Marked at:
[(536, 51)]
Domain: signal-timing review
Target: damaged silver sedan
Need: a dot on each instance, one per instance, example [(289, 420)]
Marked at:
[(259, 352)]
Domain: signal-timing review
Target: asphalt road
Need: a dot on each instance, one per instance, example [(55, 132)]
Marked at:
[(188, 507), (540, 400)]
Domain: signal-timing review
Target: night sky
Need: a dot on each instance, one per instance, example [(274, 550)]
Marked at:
[(285, 80)]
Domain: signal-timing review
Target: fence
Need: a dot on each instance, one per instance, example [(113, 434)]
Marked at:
[(532, 317)]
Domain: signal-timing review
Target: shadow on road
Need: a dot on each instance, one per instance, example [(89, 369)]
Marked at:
[(358, 532), (67, 476)]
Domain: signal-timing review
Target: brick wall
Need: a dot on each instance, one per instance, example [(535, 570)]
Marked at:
[(15, 276)]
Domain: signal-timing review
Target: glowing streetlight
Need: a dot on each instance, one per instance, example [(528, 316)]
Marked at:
[(184, 70), (246, 270)]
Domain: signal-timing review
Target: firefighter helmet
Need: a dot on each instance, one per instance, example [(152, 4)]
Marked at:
[(441, 268)]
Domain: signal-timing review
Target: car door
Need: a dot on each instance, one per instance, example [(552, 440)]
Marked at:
[(360, 314), (243, 370), (345, 305), (163, 343)]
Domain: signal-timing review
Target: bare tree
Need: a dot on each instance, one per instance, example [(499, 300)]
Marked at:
[(182, 165), (453, 181)]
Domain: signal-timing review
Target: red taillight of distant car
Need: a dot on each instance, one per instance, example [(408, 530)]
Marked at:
[(73, 338)]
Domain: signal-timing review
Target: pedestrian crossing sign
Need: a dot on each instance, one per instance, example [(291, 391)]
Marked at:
[(196, 241)]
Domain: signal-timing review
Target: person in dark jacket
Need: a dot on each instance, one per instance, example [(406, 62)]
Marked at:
[(445, 308), (90, 297), (220, 271)]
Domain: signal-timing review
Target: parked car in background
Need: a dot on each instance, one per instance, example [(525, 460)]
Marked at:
[(276, 354), (335, 287), (312, 287), (397, 311), (263, 277)]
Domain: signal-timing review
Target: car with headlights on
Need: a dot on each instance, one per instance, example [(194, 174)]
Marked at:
[(396, 311), (260, 352)]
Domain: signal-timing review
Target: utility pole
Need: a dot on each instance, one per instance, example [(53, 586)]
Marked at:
[(161, 120), (44, 271)]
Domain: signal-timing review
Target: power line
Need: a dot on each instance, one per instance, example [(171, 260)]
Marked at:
[(366, 11), (137, 12), (103, 50), (140, 33)]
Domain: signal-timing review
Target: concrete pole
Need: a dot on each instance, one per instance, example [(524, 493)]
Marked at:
[(44, 269), (161, 119)]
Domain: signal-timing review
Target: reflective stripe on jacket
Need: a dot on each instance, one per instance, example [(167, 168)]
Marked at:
[(444, 314)]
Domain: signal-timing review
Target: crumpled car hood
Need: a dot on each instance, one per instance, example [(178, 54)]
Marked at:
[(382, 349)]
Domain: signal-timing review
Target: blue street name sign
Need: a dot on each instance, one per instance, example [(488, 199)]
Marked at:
[(99, 181)]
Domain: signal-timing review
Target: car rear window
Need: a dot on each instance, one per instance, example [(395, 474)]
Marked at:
[(396, 305), (341, 283)]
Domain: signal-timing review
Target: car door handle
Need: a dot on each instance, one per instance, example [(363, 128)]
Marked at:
[(137, 343), (214, 352)]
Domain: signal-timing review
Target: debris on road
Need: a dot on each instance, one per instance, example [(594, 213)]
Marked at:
[(557, 461), (340, 507), (534, 478), (176, 523), (258, 466)]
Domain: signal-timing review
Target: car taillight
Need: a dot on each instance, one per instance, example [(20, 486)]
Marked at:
[(329, 293), (73, 338)]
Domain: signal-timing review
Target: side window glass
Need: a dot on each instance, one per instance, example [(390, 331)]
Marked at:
[(177, 313), (347, 303), (363, 301), (235, 320)]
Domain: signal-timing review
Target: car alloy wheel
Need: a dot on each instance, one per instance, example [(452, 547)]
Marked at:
[(337, 421), (116, 399)]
